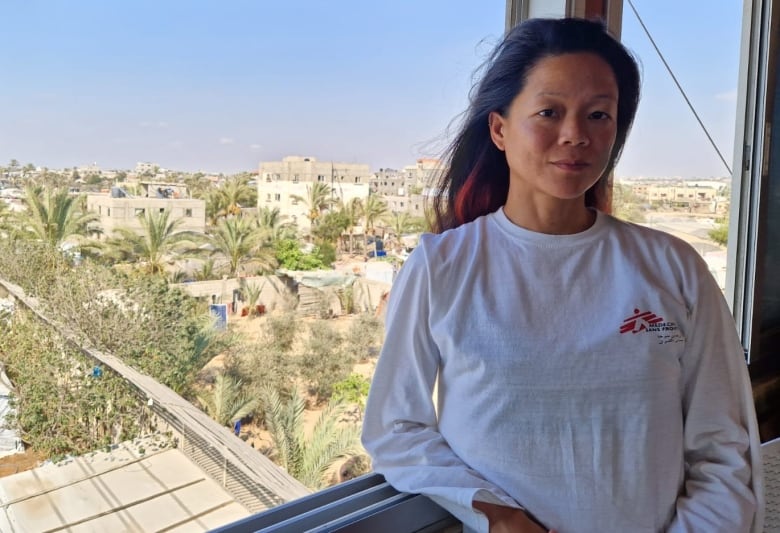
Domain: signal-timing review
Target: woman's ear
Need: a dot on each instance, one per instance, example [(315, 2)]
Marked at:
[(496, 126)]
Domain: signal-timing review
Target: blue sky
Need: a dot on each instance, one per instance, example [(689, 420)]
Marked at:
[(220, 86)]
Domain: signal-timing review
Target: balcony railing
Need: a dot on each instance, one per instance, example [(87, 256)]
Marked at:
[(362, 505)]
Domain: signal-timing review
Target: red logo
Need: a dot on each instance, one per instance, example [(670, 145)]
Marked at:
[(640, 321)]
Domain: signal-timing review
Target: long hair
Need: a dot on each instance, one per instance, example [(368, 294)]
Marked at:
[(475, 179)]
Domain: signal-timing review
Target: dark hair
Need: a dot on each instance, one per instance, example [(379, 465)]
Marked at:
[(475, 180)]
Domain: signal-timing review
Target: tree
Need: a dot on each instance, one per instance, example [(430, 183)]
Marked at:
[(374, 209), (239, 241), (53, 217), (216, 206), (158, 241), (307, 457), (352, 212), (626, 204), (291, 257), (226, 402), (400, 224), (318, 199), (237, 193), (270, 220)]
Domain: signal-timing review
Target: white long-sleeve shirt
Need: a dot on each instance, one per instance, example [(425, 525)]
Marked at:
[(594, 379)]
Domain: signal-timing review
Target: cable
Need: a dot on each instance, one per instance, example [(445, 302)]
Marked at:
[(669, 69)]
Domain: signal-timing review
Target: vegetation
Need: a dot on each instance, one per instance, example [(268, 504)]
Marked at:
[(625, 204), (63, 406), (227, 402), (240, 242), (324, 360), (141, 319), (318, 199), (352, 390), (720, 233), (53, 217), (158, 243), (290, 256), (307, 457)]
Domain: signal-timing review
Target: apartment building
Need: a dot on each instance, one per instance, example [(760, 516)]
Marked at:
[(280, 183), (120, 209)]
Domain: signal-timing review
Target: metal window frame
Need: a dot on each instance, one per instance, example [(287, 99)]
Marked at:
[(755, 101)]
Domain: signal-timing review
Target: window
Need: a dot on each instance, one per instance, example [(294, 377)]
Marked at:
[(277, 197), (188, 212), (320, 177), (268, 197), (295, 178), (108, 211), (139, 211), (357, 179)]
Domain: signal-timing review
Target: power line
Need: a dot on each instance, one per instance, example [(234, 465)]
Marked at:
[(669, 69)]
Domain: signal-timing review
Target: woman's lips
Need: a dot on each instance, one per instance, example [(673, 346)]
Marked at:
[(570, 165)]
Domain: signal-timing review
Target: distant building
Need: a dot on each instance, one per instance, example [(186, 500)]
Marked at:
[(404, 191), (279, 182), (119, 209), (682, 195)]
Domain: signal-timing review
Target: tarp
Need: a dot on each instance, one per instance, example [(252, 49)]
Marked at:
[(319, 278)]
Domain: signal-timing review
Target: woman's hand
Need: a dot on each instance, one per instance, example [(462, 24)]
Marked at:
[(504, 519)]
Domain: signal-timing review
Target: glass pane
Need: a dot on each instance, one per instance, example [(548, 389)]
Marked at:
[(671, 175)]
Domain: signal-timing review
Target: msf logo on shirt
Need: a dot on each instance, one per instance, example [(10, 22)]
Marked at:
[(641, 321)]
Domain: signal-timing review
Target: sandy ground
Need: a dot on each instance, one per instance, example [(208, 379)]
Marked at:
[(19, 462)]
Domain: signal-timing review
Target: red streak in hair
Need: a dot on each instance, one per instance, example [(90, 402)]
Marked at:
[(472, 200)]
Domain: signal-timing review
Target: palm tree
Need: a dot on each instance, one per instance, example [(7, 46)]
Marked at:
[(400, 223), (237, 193), (53, 217), (206, 271), (239, 241), (352, 211), (158, 240), (307, 457), (226, 402), (318, 199), (216, 206), (374, 209), (270, 221)]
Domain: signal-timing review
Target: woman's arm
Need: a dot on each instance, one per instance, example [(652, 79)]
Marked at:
[(400, 429), (722, 490)]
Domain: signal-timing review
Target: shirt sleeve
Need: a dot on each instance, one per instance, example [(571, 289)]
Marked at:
[(400, 429), (722, 491)]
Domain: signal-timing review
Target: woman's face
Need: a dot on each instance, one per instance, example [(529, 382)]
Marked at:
[(559, 130)]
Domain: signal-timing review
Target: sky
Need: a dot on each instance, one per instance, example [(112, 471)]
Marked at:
[(219, 86)]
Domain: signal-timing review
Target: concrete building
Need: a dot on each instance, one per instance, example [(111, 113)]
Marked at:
[(280, 182), (681, 195), (118, 209)]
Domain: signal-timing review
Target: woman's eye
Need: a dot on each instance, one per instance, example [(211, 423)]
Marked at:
[(599, 115), (546, 113)]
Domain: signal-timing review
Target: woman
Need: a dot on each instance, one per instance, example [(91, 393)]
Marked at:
[(590, 377)]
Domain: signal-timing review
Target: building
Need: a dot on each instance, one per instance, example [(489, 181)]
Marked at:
[(280, 184), (683, 195), (119, 209)]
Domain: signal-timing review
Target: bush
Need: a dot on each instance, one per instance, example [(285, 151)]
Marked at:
[(61, 407), (352, 390), (156, 328), (720, 234), (323, 361), (364, 338), (290, 256)]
